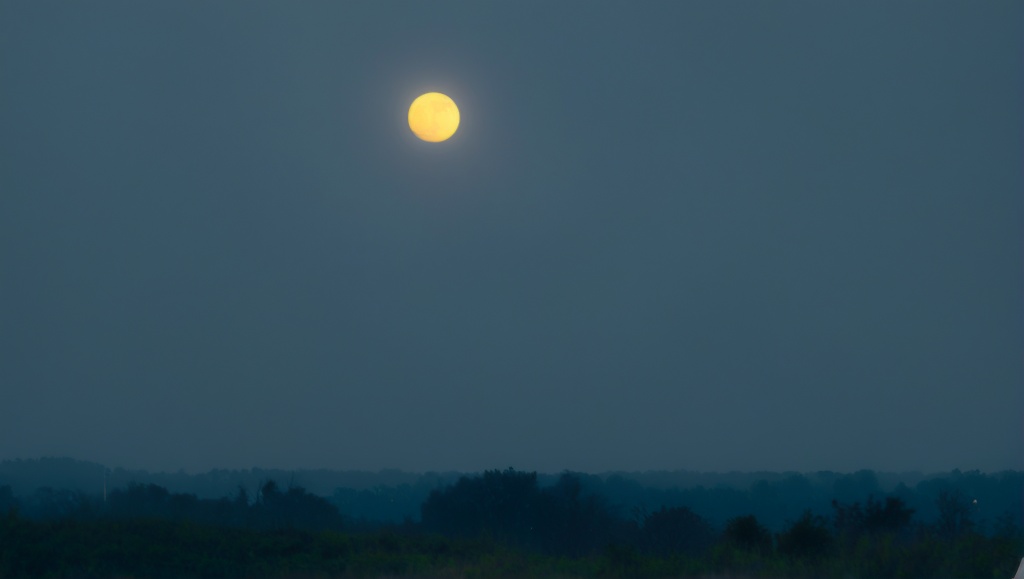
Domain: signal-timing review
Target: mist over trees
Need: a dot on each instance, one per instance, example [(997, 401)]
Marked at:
[(577, 524), (392, 497)]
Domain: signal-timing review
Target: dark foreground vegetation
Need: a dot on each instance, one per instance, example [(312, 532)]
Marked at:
[(499, 524)]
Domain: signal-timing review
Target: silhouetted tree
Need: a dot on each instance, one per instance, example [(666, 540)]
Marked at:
[(499, 504), (892, 517), (747, 534), (242, 497), (808, 538), (954, 514), (571, 521), (294, 508), (851, 521), (848, 521), (509, 506)]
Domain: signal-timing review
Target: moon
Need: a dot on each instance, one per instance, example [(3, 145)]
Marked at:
[(433, 117)]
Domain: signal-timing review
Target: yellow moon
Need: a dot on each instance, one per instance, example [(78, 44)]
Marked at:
[(433, 117)]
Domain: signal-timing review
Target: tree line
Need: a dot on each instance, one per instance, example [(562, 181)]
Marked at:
[(498, 522), (393, 496)]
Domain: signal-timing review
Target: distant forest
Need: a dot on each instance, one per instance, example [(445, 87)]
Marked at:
[(61, 517), (45, 487)]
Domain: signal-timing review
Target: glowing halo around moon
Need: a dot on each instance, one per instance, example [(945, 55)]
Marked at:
[(433, 117)]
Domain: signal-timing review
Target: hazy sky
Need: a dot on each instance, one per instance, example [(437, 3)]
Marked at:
[(668, 235)]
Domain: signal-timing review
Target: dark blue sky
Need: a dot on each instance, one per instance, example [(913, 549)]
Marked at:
[(667, 235)]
